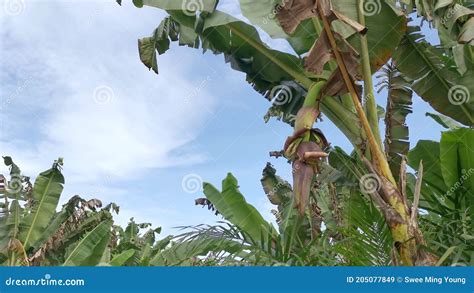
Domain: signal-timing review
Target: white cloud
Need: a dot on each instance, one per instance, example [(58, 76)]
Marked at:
[(53, 56), (66, 51)]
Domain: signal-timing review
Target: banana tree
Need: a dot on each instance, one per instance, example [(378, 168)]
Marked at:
[(32, 232), (447, 194), (339, 45), (132, 247), (246, 238)]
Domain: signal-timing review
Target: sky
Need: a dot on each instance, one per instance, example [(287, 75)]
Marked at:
[(72, 86)]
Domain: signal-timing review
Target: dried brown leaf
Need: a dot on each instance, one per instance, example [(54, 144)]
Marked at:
[(292, 12), (319, 55)]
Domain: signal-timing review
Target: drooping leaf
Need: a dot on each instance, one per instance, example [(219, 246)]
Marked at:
[(277, 190), (262, 13), (385, 28), (451, 18), (444, 121), (267, 70), (168, 30), (445, 90), (76, 218)]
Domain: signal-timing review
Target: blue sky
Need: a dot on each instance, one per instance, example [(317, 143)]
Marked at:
[(72, 85)]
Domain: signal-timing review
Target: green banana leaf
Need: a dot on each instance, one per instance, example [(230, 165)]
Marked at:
[(183, 253), (9, 225), (122, 258), (278, 191), (232, 205), (444, 88), (58, 219), (10, 216), (88, 251), (385, 28), (278, 76), (449, 171), (457, 157), (46, 192), (191, 6), (447, 193), (262, 14), (428, 152), (444, 121)]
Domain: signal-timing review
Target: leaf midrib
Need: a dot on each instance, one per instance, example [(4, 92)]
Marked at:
[(434, 69), (80, 243), (50, 180)]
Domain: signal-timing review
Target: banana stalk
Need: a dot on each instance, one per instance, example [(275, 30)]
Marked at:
[(370, 104), (305, 147), (376, 151)]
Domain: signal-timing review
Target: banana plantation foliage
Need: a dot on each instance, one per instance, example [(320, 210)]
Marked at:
[(385, 203)]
